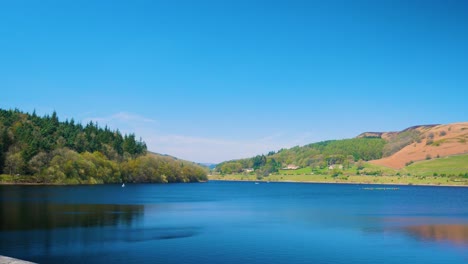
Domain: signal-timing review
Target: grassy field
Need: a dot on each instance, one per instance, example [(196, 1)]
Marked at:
[(444, 171), (454, 165), (306, 170)]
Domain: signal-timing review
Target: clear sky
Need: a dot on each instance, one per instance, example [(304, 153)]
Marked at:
[(210, 81)]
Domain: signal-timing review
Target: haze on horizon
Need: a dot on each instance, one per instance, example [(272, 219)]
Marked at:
[(210, 81)]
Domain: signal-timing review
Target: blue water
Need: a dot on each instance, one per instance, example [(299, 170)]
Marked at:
[(234, 222)]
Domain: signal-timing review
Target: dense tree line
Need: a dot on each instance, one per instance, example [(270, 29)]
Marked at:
[(321, 154), (43, 149)]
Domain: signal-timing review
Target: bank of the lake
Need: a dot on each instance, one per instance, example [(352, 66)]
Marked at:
[(351, 179), (33, 180), (8, 260)]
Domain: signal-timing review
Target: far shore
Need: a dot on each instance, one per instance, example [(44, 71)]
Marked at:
[(259, 181), (342, 182)]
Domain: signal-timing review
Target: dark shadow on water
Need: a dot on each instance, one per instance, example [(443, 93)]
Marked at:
[(146, 234), (30, 216)]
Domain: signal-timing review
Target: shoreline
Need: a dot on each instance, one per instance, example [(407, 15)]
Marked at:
[(10, 260), (86, 184), (331, 182), (36, 183), (235, 180)]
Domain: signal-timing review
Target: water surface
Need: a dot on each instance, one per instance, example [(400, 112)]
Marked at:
[(234, 222)]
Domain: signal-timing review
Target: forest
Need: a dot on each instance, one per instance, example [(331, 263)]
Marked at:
[(42, 149), (320, 155)]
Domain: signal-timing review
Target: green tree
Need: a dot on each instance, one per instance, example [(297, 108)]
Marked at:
[(14, 163)]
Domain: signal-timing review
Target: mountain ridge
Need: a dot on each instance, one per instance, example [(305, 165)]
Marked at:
[(430, 141)]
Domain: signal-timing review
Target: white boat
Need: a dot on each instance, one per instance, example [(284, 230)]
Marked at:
[(123, 185)]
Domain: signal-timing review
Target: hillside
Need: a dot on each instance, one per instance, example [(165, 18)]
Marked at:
[(37, 149), (425, 142), (449, 171), (317, 155), (394, 150)]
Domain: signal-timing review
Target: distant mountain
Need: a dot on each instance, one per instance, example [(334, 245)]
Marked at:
[(388, 135), (391, 149), (204, 165), (209, 165)]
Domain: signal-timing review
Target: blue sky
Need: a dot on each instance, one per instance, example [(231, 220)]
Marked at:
[(210, 81)]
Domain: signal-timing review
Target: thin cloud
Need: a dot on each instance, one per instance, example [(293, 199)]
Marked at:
[(124, 116), (180, 139), (201, 149), (120, 117), (198, 149)]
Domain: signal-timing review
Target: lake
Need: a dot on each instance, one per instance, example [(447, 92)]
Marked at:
[(234, 222)]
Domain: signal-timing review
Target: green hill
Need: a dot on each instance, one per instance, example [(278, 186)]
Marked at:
[(346, 160), (317, 155), (37, 149)]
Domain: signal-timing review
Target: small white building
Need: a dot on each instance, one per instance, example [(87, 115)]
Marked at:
[(291, 167)]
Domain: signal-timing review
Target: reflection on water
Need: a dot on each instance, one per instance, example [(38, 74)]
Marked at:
[(45, 227), (457, 234), (28, 216), (438, 229)]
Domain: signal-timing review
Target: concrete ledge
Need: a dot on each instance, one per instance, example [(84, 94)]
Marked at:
[(7, 260)]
